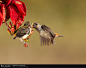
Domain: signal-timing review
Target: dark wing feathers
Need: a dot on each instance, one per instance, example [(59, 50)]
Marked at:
[(44, 41), (22, 31), (47, 41), (48, 29)]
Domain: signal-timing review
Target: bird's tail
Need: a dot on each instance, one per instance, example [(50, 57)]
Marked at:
[(14, 38), (57, 35)]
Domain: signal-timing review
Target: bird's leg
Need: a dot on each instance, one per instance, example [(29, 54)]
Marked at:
[(22, 40), (25, 44)]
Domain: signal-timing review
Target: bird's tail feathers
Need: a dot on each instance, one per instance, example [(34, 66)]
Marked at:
[(57, 35), (14, 38)]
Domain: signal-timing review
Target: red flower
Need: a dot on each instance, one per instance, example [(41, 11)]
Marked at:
[(2, 13), (15, 9)]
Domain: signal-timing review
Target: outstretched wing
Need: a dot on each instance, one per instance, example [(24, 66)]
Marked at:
[(48, 29), (46, 41), (46, 36)]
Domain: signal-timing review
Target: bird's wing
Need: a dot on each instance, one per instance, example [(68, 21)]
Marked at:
[(45, 41), (48, 29), (46, 37), (22, 31)]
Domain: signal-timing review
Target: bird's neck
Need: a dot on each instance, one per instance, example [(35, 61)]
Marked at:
[(38, 29)]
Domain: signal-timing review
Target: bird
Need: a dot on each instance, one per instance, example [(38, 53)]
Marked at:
[(46, 34), (23, 32)]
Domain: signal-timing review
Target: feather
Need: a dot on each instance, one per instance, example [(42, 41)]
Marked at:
[(46, 34), (48, 29), (45, 41), (41, 39)]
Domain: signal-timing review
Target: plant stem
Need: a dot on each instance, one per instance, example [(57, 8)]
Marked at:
[(7, 25)]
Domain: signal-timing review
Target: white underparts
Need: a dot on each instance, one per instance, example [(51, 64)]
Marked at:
[(56, 36), (21, 40), (25, 36)]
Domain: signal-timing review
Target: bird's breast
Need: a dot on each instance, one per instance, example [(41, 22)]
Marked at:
[(25, 36)]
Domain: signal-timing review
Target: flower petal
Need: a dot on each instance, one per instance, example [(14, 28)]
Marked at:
[(0, 20), (1, 15), (21, 6), (6, 2), (12, 30), (7, 14), (13, 14), (17, 26), (3, 11), (24, 7)]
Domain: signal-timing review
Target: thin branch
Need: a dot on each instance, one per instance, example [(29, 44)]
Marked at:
[(7, 25)]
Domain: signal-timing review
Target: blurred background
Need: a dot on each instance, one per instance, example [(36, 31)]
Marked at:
[(66, 17)]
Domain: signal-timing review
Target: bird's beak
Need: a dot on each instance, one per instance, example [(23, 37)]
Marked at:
[(31, 25)]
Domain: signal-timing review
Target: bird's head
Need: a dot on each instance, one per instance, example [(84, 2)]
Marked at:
[(36, 25), (27, 24)]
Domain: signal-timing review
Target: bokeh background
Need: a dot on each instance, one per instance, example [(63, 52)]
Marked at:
[(66, 17)]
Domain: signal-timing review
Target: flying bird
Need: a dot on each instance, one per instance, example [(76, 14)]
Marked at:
[(46, 34), (23, 32)]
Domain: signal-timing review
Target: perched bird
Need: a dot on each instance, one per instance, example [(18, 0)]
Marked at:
[(46, 34), (23, 32)]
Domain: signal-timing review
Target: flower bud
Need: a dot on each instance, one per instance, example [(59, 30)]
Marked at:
[(31, 32), (3, 11), (17, 26), (14, 23), (21, 22), (12, 30), (10, 24), (25, 45), (9, 31)]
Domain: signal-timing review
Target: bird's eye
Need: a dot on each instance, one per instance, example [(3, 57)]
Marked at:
[(35, 24)]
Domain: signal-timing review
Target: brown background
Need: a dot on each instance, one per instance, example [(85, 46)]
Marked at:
[(66, 17)]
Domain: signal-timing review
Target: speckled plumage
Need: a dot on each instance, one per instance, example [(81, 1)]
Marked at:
[(23, 32)]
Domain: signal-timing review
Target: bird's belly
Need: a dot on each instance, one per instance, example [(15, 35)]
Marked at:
[(25, 36)]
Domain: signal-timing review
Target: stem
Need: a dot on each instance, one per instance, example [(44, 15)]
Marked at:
[(7, 25)]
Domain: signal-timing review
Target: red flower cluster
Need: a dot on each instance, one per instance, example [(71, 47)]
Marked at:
[(14, 9)]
